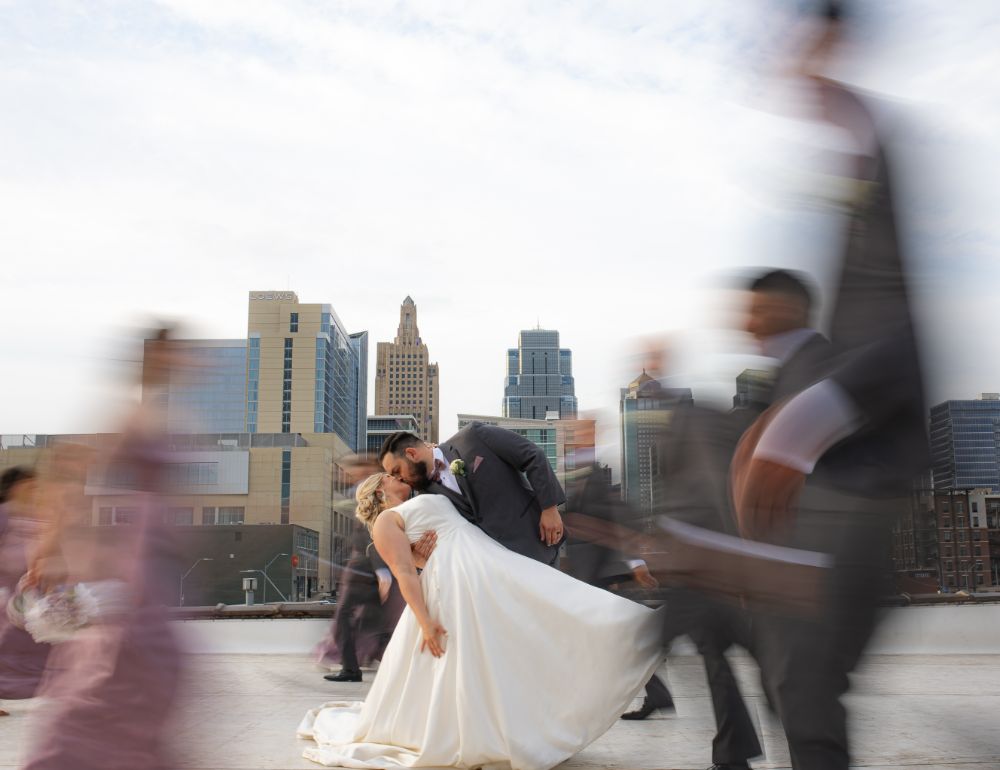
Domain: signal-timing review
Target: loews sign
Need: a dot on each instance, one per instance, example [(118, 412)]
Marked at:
[(283, 296)]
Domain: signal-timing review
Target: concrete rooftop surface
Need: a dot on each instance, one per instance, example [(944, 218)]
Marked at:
[(907, 710)]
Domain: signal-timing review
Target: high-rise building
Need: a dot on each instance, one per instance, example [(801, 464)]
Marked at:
[(405, 380), (381, 426), (965, 443), (207, 391), (359, 341), (305, 372), (645, 410), (539, 381)]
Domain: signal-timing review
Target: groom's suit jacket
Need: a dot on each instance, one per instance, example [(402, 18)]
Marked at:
[(507, 484)]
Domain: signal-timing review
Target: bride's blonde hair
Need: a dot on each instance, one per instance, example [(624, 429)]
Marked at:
[(371, 499)]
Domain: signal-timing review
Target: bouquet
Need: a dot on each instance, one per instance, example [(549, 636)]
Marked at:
[(56, 615)]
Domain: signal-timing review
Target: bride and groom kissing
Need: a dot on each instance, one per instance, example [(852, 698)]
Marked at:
[(476, 673)]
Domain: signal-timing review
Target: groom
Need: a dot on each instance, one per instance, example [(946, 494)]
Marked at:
[(498, 480)]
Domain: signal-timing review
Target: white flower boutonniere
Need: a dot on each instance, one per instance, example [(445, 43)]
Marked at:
[(458, 467)]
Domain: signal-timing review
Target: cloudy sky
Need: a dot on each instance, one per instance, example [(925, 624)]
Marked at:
[(594, 167)]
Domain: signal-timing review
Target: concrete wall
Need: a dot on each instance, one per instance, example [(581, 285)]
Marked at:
[(961, 630)]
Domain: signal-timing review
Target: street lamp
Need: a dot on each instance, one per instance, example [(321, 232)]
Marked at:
[(267, 580), (203, 558)]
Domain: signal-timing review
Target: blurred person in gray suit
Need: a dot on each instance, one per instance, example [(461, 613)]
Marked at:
[(828, 464), (603, 564)]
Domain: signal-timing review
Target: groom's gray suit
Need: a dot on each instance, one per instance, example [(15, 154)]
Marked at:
[(506, 485)]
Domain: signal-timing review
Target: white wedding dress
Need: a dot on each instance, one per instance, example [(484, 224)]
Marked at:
[(537, 664)]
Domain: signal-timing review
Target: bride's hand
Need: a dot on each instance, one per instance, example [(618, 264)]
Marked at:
[(434, 635), (423, 548)]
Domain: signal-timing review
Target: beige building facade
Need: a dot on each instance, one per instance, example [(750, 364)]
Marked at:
[(305, 372), (224, 479), (406, 382)]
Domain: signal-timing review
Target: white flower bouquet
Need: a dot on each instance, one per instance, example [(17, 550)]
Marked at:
[(56, 615)]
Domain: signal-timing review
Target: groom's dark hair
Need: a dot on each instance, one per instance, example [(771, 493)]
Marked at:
[(396, 443)]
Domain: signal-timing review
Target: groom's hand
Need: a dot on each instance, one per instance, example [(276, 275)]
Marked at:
[(423, 548), (644, 578), (550, 528)]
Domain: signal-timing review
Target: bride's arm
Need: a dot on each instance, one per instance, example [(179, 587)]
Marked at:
[(393, 546)]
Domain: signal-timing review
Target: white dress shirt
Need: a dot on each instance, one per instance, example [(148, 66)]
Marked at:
[(812, 421), (447, 477)]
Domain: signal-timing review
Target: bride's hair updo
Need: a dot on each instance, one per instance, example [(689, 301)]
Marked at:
[(371, 499)]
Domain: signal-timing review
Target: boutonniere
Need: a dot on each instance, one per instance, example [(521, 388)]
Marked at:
[(458, 467)]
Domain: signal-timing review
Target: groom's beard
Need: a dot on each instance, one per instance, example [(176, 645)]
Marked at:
[(420, 475)]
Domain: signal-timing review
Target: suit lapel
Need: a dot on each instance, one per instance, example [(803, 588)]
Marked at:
[(437, 488), (469, 498)]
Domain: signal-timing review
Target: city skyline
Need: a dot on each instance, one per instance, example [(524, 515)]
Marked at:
[(619, 162)]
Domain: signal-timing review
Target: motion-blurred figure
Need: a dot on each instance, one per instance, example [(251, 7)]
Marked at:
[(110, 689), (22, 659), (826, 466), (368, 608), (602, 564), (369, 602), (694, 451)]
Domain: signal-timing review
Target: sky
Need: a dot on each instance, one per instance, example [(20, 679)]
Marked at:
[(593, 167)]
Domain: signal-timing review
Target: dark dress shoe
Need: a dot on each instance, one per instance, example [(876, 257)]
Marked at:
[(731, 766), (647, 708), (344, 676)]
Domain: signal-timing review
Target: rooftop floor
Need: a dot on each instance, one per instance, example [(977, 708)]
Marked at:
[(934, 711)]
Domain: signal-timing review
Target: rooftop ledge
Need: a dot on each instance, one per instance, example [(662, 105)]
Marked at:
[(948, 627)]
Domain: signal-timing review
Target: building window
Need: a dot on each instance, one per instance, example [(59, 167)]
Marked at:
[(253, 382), (192, 474), (125, 515), (179, 517), (231, 514), (286, 484), (105, 517), (293, 324), (286, 389), (208, 515)]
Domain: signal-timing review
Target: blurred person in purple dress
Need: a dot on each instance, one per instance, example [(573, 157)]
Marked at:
[(110, 689), (22, 659)]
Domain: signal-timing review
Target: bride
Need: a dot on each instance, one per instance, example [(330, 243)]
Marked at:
[(498, 662)]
